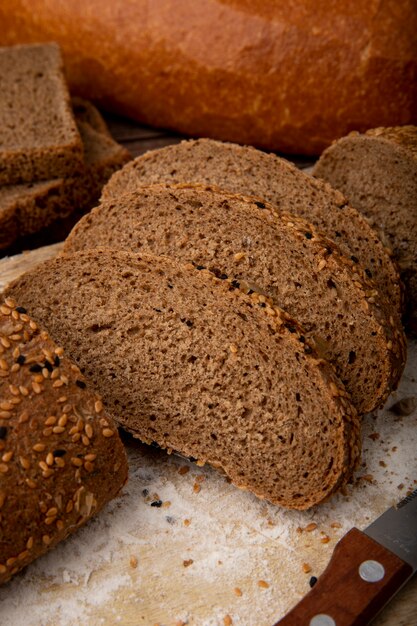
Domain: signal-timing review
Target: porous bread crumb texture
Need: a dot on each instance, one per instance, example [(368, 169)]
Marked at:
[(61, 458), (249, 171), (154, 337), (39, 138), (27, 208), (377, 171), (272, 252)]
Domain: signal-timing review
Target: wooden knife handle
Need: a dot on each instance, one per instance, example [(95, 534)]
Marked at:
[(342, 594)]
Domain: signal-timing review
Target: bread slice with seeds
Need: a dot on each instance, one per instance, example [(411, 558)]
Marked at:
[(61, 457), (28, 208), (273, 251), (39, 138), (377, 171), (184, 359), (249, 171)]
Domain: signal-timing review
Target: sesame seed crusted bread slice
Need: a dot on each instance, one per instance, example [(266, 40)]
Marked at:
[(377, 171), (39, 138), (189, 361), (61, 457), (249, 171), (30, 207), (273, 251)]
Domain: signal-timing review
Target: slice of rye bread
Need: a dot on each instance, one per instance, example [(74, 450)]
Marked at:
[(192, 363), (39, 138), (28, 208), (249, 171), (85, 111), (275, 253), (62, 458), (377, 171)]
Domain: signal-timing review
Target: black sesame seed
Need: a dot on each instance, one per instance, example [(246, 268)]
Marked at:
[(35, 368), (59, 452), (302, 339), (21, 309), (260, 205), (235, 284), (192, 459), (308, 350), (250, 292), (145, 492), (3, 432), (312, 581), (48, 365), (189, 323), (170, 520), (290, 328), (21, 359), (354, 258), (156, 503), (57, 361), (157, 310), (262, 305), (368, 273), (81, 384), (308, 235), (200, 267), (337, 233), (223, 277), (169, 286)]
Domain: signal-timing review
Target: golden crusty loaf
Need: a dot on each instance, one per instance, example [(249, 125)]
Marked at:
[(39, 138), (377, 171), (252, 172), (289, 76), (275, 252), (187, 360), (61, 456)]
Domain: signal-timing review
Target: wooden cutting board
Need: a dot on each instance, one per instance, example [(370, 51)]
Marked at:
[(181, 545)]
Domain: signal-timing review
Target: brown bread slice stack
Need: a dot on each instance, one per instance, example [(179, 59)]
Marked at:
[(377, 171), (272, 252), (189, 361), (252, 172), (28, 208), (61, 456), (38, 135)]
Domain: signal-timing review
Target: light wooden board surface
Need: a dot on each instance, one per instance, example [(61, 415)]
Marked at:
[(202, 554)]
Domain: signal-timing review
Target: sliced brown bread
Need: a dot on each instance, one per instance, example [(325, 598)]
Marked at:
[(189, 361), (282, 256), (377, 171), (30, 207), (39, 138), (61, 456), (249, 171), (85, 111)]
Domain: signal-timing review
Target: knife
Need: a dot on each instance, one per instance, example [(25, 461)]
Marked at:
[(365, 571)]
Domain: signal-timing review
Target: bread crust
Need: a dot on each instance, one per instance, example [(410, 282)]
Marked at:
[(283, 76), (61, 456)]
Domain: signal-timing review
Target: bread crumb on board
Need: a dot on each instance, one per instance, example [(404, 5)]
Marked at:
[(263, 584)]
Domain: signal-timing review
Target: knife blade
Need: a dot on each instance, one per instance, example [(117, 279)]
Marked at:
[(366, 570)]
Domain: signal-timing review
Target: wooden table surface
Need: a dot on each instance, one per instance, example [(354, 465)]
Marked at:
[(402, 611)]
